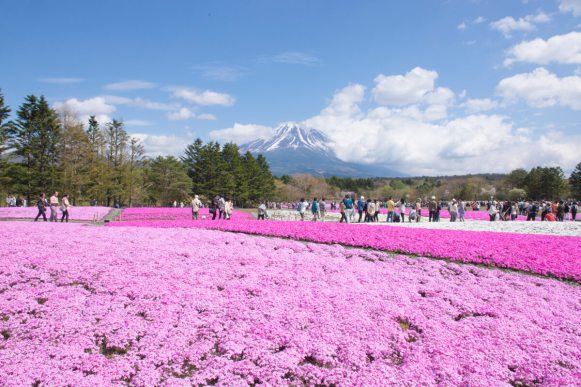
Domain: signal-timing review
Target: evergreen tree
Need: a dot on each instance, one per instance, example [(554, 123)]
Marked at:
[(575, 182), (35, 138), (76, 159), (116, 140), (4, 114), (167, 180), (132, 174)]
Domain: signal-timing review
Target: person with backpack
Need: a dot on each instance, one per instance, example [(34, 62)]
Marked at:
[(532, 211), (348, 202), (315, 209), (41, 205)]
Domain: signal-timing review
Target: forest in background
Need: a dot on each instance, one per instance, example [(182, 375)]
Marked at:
[(43, 150)]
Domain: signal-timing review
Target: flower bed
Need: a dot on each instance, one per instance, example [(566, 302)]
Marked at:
[(103, 306), (558, 256), (164, 213), (75, 213)]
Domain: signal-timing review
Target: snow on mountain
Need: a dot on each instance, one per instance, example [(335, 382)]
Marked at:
[(291, 135), (297, 149)]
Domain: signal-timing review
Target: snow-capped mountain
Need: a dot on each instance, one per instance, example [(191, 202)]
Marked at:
[(291, 135), (295, 148)]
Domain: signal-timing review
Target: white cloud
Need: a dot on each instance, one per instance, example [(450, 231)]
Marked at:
[(137, 123), (180, 115), (402, 138), (479, 20), (541, 88), (139, 103), (573, 6), (161, 145), (417, 87), (185, 114), (204, 98), (480, 105), (291, 57), (130, 85), (462, 26), (96, 105), (564, 49), (241, 134), (404, 89), (206, 117), (528, 23), (62, 81)]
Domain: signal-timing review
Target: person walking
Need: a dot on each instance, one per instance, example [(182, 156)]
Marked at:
[(196, 205), (54, 205), (65, 205), (41, 205), (574, 209), (343, 211), (370, 212), (492, 212), (262, 211), (302, 207)]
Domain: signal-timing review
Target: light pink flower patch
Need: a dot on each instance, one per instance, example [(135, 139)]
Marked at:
[(183, 306), (558, 256), (75, 213)]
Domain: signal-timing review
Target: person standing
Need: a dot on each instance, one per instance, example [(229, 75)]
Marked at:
[(41, 205), (262, 211), (492, 212), (432, 206), (228, 206), (54, 205), (461, 210), (453, 211), (315, 209), (360, 207), (390, 209), (418, 210), (322, 208), (370, 212), (348, 208), (196, 205), (65, 205), (402, 209)]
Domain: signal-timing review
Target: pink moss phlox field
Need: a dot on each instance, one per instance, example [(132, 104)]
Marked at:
[(164, 213), (75, 213), (558, 256), (145, 306), (445, 214)]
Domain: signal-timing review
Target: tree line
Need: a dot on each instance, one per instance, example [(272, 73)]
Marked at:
[(43, 150)]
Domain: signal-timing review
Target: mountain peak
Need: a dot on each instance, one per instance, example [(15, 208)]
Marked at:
[(294, 136)]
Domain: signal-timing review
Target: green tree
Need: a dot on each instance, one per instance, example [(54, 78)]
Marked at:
[(116, 140), (35, 138), (4, 114), (517, 178), (99, 174), (546, 183), (167, 179), (76, 160), (575, 182)]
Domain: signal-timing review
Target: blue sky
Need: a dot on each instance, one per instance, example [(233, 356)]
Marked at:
[(426, 87)]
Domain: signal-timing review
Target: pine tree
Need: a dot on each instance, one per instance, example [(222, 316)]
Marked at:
[(36, 138), (4, 114), (575, 182), (76, 158)]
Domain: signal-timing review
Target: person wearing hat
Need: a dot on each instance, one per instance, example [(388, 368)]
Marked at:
[(453, 210), (196, 204)]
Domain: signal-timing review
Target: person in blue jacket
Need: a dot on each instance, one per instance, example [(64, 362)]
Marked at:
[(361, 207)]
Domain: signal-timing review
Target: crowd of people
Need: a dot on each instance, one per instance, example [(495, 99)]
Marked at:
[(367, 210), (54, 205)]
